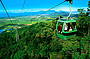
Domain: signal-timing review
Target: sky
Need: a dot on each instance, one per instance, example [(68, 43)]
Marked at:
[(40, 5)]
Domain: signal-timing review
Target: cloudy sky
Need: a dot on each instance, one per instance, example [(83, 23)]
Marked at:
[(39, 5)]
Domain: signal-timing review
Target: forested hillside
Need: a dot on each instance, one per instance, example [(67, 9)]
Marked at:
[(39, 41)]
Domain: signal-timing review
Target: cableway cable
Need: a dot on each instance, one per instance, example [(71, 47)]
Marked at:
[(23, 5), (54, 7), (60, 4), (17, 33), (6, 11), (70, 11), (22, 8), (17, 37)]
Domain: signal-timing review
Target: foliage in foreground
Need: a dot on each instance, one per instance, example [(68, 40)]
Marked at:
[(83, 25), (39, 41), (35, 41)]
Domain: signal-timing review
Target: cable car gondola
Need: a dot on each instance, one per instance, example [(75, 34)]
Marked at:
[(66, 28)]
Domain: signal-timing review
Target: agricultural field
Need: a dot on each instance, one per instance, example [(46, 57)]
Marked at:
[(22, 20), (6, 23)]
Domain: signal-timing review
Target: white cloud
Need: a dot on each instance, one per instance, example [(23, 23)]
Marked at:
[(24, 10), (19, 11), (66, 9), (39, 9)]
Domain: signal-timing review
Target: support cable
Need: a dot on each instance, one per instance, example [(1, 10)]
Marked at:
[(70, 11), (23, 5), (17, 37), (54, 6), (17, 34), (6, 11)]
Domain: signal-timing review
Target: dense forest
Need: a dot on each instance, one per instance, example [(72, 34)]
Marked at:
[(39, 41)]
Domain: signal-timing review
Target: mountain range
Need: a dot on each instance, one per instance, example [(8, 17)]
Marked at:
[(49, 13)]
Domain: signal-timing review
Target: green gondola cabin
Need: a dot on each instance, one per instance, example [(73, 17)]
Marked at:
[(66, 28)]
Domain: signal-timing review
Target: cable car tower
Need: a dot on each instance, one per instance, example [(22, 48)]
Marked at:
[(66, 27)]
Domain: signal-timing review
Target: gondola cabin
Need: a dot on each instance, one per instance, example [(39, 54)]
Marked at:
[(66, 28)]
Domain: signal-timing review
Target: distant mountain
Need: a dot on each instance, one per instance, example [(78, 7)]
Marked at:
[(74, 12), (63, 13), (50, 13)]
